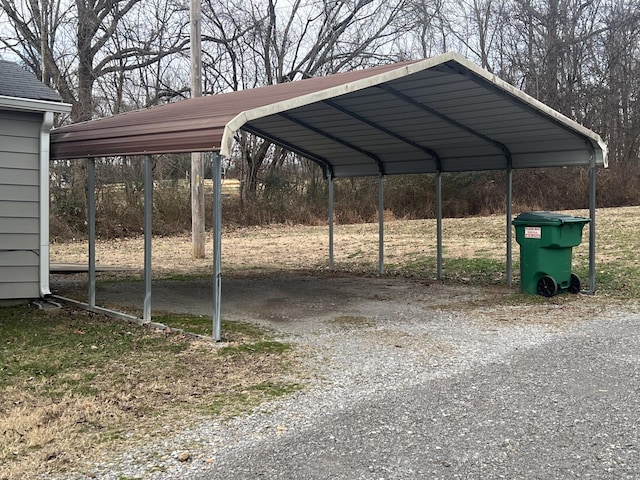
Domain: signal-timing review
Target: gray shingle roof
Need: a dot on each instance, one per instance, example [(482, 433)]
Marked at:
[(15, 81)]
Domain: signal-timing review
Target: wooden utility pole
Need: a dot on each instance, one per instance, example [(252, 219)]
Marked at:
[(197, 162), (44, 34)]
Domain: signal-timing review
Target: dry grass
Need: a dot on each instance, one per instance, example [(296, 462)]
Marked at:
[(73, 385), (299, 247), (474, 250)]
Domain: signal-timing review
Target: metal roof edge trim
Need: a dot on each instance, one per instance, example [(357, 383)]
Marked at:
[(244, 117), (30, 104), (595, 139)]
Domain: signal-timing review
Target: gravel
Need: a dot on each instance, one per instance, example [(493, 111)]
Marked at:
[(401, 388)]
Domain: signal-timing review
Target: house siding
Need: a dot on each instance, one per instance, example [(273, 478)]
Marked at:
[(19, 204)]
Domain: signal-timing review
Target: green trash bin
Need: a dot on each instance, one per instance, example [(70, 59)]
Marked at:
[(546, 242)]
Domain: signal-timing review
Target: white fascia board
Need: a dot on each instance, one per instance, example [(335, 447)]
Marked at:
[(28, 104)]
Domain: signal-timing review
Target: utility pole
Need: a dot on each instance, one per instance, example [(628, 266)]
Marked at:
[(44, 33), (197, 161)]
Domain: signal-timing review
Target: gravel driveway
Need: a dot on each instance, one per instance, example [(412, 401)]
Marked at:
[(416, 380)]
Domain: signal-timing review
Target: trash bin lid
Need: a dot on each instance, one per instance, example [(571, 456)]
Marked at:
[(547, 218)]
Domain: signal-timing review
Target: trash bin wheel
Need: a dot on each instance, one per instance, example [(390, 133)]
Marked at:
[(575, 284), (547, 286)]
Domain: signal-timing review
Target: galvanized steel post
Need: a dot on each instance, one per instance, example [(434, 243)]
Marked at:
[(509, 213), (381, 224), (330, 180), (439, 224), (148, 210), (217, 245), (91, 219), (592, 223)]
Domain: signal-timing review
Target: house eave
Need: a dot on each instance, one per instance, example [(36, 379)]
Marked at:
[(29, 104)]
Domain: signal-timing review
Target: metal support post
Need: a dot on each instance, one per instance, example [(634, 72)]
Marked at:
[(91, 219), (509, 214), (439, 262), (217, 245), (381, 224), (592, 224), (148, 210), (330, 180)]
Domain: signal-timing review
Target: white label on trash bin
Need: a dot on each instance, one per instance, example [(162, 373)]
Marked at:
[(532, 232)]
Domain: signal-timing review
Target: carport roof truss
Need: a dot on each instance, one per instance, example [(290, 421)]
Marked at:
[(440, 114)]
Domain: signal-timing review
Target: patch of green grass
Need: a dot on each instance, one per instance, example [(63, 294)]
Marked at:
[(112, 435), (243, 399), (474, 271), (244, 329), (418, 265), (229, 404), (256, 348), (616, 279), (65, 347), (199, 324), (203, 325)]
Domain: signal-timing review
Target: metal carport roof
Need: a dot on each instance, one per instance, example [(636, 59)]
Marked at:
[(440, 114), (443, 114)]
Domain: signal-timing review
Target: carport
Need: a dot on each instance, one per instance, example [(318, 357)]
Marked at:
[(442, 114)]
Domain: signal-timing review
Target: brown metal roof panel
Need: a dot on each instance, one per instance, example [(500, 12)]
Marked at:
[(141, 144), (176, 119), (227, 105)]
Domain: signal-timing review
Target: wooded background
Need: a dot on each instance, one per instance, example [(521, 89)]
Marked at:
[(105, 57)]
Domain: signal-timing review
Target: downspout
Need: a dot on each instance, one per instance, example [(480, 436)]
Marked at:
[(45, 129)]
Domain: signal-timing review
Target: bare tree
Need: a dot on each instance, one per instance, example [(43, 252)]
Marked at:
[(73, 44), (89, 50), (617, 96), (260, 43), (427, 35), (477, 26)]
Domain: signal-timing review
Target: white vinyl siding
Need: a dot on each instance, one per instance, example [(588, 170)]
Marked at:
[(19, 204)]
